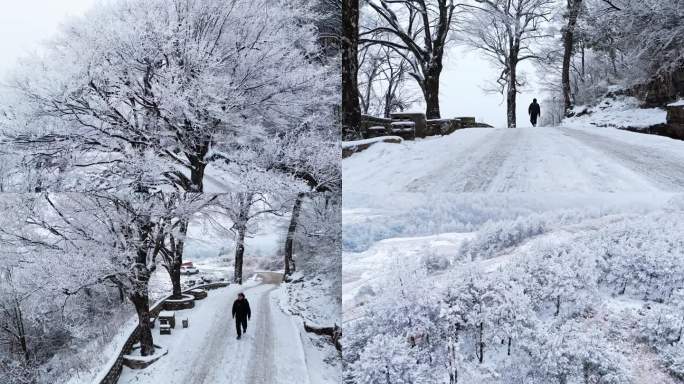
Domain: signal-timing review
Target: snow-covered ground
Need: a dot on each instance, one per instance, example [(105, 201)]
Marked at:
[(475, 237), (578, 159), (274, 349), (621, 112)]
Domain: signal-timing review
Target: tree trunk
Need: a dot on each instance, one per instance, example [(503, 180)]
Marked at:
[(175, 281), (481, 344), (291, 231), (21, 330), (568, 45), (140, 300), (351, 110), (430, 88), (140, 276), (508, 352), (388, 103), (198, 165), (453, 361), (174, 268), (239, 253), (512, 93), (558, 303)]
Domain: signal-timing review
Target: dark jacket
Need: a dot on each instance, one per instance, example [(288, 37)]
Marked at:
[(534, 109), (241, 309)]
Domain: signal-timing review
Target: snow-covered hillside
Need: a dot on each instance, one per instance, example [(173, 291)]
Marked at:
[(514, 288), (621, 112)]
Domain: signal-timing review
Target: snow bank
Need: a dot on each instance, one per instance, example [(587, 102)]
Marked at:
[(679, 103), (384, 139), (623, 112)]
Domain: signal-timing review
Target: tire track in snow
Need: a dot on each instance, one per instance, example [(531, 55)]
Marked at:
[(481, 174), (473, 171), (221, 347), (225, 359), (261, 364)]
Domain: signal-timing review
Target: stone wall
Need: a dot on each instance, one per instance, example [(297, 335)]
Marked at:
[(675, 121), (449, 126), (114, 371), (418, 119), (372, 126)]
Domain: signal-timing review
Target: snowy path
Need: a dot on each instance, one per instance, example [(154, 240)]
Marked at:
[(208, 352), (521, 160)]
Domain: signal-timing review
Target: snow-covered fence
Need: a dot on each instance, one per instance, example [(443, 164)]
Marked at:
[(111, 374)]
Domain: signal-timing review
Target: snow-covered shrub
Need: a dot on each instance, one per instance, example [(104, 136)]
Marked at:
[(438, 214), (435, 262), (548, 311), (642, 256), (16, 372), (497, 236), (661, 326), (390, 359), (673, 355)]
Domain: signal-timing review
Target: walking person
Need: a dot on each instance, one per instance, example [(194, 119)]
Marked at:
[(241, 313), (534, 111)]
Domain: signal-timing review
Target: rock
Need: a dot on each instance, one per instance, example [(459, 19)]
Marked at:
[(675, 113), (675, 120)]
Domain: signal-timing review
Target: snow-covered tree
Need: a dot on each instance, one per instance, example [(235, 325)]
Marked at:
[(417, 30), (98, 239), (383, 75), (197, 87), (505, 32), (351, 110), (243, 208)]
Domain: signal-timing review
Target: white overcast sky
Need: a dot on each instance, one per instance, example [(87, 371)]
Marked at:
[(465, 75), (25, 24)]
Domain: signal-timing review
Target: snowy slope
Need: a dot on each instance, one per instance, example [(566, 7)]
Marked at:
[(520, 160), (622, 112), (362, 272), (398, 272)]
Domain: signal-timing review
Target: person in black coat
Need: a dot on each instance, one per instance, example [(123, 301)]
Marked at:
[(534, 111), (241, 313)]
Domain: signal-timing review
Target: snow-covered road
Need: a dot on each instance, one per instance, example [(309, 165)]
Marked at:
[(521, 160), (270, 352)]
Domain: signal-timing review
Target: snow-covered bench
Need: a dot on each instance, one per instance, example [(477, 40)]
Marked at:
[(167, 316), (164, 327)]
